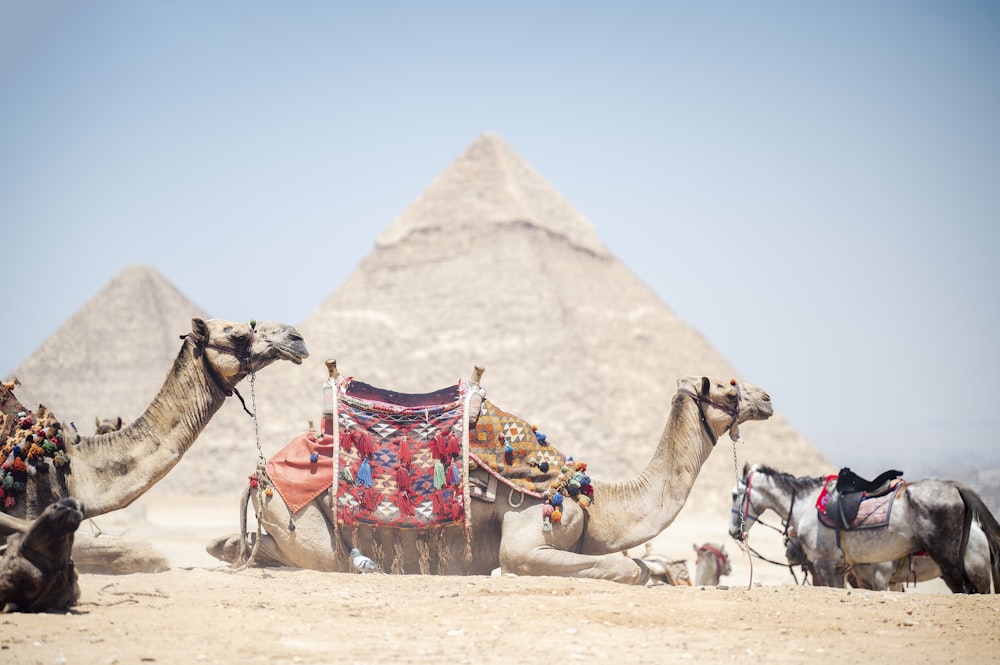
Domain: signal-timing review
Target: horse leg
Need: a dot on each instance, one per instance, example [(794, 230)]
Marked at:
[(941, 527), (825, 573)]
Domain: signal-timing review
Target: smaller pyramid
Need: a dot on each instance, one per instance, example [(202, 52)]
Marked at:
[(490, 184), (110, 358)]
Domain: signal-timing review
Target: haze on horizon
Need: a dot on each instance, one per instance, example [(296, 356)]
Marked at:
[(813, 188)]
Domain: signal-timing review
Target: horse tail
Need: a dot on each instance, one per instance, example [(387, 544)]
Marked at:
[(988, 522)]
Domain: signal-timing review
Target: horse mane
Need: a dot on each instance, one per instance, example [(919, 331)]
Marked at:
[(790, 483)]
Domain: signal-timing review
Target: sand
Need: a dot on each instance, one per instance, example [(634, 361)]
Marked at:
[(201, 612)]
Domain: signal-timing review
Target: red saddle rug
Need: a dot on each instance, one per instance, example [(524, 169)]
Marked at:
[(400, 459), (397, 464)]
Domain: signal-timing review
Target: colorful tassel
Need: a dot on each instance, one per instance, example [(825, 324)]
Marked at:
[(402, 478), (439, 479), (365, 474), (402, 501), (404, 452), (439, 502), (370, 499)]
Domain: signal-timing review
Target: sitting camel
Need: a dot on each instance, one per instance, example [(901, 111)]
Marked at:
[(713, 563), (664, 570), (513, 529), (107, 425), (36, 566), (110, 471)]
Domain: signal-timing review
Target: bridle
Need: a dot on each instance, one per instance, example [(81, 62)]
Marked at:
[(721, 558), (245, 357), (701, 400), (745, 517)]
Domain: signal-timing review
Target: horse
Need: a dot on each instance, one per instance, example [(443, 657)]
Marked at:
[(930, 515)]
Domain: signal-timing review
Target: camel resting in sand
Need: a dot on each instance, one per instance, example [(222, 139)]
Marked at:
[(36, 569), (526, 533)]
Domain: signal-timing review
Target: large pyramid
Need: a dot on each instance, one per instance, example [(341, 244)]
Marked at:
[(492, 266)]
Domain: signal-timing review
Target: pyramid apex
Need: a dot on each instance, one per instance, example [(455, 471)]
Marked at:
[(490, 184)]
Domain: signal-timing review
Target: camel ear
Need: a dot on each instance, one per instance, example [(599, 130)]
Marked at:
[(97, 421), (706, 385), (746, 469), (199, 328), (119, 422), (694, 546)]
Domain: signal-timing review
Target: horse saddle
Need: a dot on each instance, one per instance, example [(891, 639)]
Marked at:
[(845, 499)]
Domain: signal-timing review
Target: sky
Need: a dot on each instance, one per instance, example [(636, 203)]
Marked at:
[(815, 187)]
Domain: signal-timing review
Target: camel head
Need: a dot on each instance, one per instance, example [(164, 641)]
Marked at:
[(726, 404), (235, 349)]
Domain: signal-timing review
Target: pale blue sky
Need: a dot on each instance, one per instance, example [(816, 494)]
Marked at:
[(813, 186)]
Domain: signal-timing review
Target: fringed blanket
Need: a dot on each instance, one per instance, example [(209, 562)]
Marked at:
[(398, 459), (399, 463)]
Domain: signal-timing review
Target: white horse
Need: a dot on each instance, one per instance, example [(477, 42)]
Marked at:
[(933, 516)]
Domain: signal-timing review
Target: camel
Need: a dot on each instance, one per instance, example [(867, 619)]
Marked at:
[(712, 563), (510, 532), (110, 471), (663, 569), (36, 567), (108, 425)]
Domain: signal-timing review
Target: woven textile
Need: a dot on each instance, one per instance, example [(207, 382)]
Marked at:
[(509, 448)]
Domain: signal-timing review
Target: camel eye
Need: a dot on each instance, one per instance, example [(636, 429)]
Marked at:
[(227, 329)]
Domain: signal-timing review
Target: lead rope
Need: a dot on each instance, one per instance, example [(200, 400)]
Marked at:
[(260, 473), (745, 540)]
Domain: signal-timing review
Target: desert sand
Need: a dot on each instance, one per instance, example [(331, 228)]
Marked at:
[(201, 611)]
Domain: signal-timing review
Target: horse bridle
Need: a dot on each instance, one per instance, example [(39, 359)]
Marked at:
[(745, 515), (747, 505)]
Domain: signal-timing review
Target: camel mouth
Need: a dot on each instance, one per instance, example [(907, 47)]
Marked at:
[(295, 352)]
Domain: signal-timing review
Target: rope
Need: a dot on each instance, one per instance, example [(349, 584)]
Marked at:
[(334, 406), (466, 491), (261, 460), (745, 540)]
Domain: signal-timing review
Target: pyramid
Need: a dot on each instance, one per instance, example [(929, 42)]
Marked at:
[(110, 358), (491, 266)]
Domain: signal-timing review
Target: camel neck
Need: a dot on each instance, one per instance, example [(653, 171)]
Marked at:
[(109, 472), (628, 514)]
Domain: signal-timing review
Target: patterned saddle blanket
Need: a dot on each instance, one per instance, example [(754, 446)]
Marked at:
[(400, 461)]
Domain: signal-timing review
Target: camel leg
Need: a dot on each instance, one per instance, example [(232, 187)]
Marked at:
[(227, 549), (525, 549)]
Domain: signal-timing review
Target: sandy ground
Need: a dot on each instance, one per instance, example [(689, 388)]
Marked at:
[(200, 611)]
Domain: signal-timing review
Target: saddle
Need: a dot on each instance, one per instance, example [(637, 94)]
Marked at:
[(842, 503)]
